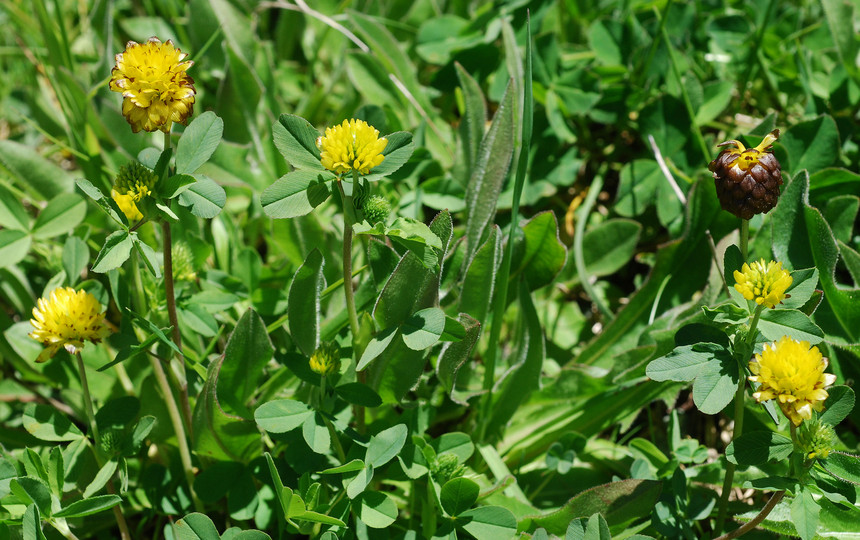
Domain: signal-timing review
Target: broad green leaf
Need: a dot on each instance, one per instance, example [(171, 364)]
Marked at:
[(715, 386), (609, 246), (116, 250), (757, 447), (776, 323), (458, 495), (248, 351), (358, 394), (840, 213), (812, 145), (296, 139), (480, 279), (804, 514), (454, 355), (489, 173), (89, 506), (63, 213), (195, 527), (803, 285), (423, 329), (282, 415), (838, 405), (316, 434), (408, 233), (14, 246), (29, 169), (474, 117), (205, 197), (385, 445), (303, 305), (843, 466), (684, 363), (377, 346), (375, 509), (32, 524), (296, 193), (619, 502), (542, 255), (357, 483), (488, 522), (637, 187), (198, 142)]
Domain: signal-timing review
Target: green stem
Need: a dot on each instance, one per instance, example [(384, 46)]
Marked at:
[(745, 237), (754, 522), (349, 294), (170, 298), (746, 347), (164, 386), (578, 253), (335, 441), (97, 447)]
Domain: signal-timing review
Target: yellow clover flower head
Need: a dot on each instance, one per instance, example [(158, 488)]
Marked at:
[(155, 87), (352, 146), (67, 318), (764, 283), (792, 373), (326, 359)]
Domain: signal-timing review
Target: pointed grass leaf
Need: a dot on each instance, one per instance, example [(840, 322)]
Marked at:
[(757, 447), (116, 250), (489, 173), (423, 329), (458, 495), (89, 506), (480, 279), (376, 509), (198, 142), (282, 415), (775, 323), (455, 355), (488, 522), (385, 445), (303, 305), (474, 116), (296, 140), (63, 213), (838, 405), (195, 526), (204, 197), (247, 352), (296, 193)]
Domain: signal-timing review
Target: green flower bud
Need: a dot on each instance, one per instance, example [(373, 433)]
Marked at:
[(110, 441), (183, 262), (816, 439), (326, 359), (376, 209), (447, 466), (135, 181)]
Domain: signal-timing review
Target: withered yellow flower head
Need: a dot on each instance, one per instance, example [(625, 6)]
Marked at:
[(352, 146), (764, 283), (155, 87), (792, 373), (67, 318)]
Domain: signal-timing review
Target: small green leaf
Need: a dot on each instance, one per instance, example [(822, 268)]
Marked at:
[(757, 447), (195, 527), (198, 142), (176, 185), (12, 212), (377, 510), (385, 445), (32, 490), (89, 506), (838, 405), (316, 434), (608, 246), (296, 139), (358, 394), (32, 524), (14, 246), (423, 329), (844, 466), (205, 197), (353, 466), (116, 250), (488, 522), (804, 514), (101, 479), (282, 415), (458, 495), (776, 323), (76, 255), (296, 193), (396, 152), (377, 346)]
